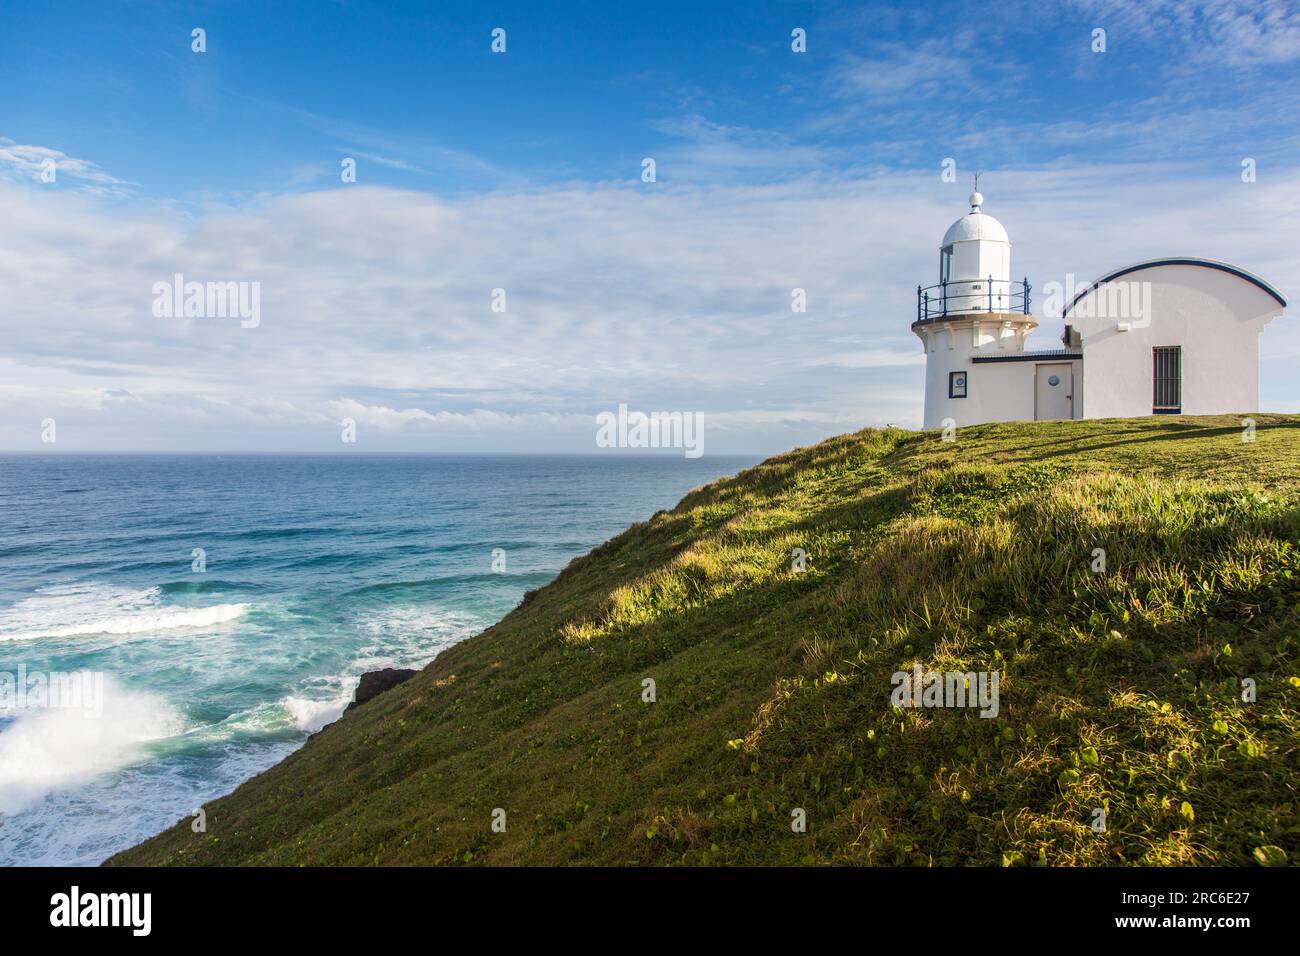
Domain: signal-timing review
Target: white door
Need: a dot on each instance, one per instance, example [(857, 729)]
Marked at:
[(1053, 392)]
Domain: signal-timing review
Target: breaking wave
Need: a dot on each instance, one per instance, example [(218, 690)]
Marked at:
[(51, 748), (89, 610)]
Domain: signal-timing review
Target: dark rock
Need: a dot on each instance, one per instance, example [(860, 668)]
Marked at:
[(376, 682)]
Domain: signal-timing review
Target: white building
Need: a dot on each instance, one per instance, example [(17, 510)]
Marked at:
[(1160, 337)]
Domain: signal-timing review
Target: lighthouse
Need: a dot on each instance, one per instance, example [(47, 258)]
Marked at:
[(974, 310), (1176, 335)]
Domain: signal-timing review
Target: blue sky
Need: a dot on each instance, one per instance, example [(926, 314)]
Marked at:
[(522, 171)]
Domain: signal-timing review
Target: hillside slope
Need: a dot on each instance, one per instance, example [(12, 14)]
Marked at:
[(1120, 690)]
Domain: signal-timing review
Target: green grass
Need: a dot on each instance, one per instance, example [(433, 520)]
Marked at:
[(1119, 690)]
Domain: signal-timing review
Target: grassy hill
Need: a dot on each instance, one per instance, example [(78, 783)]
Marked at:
[(1120, 690)]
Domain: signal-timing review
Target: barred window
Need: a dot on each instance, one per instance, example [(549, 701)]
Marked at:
[(1167, 380)]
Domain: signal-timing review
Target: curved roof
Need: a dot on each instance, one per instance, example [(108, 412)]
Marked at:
[(1180, 261), (975, 225)]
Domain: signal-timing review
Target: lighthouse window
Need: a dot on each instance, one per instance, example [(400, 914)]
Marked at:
[(1167, 380), (956, 384), (945, 263)]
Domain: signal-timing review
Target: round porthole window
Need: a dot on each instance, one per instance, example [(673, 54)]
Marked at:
[(1054, 380)]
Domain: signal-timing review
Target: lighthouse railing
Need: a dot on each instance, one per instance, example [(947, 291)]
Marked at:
[(963, 296)]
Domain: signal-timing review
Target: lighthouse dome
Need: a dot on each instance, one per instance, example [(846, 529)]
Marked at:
[(975, 225)]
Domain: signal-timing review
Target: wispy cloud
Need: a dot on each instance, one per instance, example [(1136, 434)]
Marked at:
[(397, 152), (701, 151), (1217, 33), (42, 164), (939, 66)]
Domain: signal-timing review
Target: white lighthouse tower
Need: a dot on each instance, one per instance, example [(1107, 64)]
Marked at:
[(1169, 336), (975, 312)]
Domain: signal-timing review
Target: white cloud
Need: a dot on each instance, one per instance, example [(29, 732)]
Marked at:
[(30, 162), (376, 304)]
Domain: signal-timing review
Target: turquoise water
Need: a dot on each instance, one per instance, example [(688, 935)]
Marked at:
[(318, 568)]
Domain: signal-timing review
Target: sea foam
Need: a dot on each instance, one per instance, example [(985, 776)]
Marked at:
[(52, 748), (86, 610)]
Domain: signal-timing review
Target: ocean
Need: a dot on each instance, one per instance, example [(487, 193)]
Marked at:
[(221, 608)]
